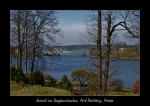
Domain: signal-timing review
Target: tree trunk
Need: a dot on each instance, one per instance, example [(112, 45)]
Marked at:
[(107, 53), (26, 33), (99, 51), (20, 64), (19, 47), (26, 55), (33, 59), (19, 40), (17, 57)]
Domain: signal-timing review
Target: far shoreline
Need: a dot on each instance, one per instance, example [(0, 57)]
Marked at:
[(125, 59)]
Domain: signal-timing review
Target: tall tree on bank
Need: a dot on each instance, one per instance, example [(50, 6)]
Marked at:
[(26, 39), (114, 21), (20, 31), (94, 32), (19, 50), (111, 27), (26, 30), (44, 23), (107, 60), (99, 54), (29, 29), (17, 32)]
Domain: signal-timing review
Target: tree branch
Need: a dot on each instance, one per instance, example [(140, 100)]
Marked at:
[(123, 24)]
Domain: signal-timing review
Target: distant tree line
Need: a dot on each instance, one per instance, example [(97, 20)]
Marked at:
[(119, 52)]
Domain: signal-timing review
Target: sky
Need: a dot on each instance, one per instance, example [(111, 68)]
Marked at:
[(72, 24)]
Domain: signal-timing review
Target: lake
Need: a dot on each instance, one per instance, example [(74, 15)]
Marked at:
[(65, 64)]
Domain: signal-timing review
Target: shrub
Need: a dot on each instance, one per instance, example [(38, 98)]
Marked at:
[(38, 78), (17, 74), (13, 73), (83, 75), (49, 81), (35, 78), (59, 84), (116, 84), (136, 87), (64, 79), (29, 79), (65, 83)]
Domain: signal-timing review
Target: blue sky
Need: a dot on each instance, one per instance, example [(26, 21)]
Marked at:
[(72, 23)]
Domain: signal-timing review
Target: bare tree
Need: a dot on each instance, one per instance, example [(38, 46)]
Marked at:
[(17, 31), (107, 60), (28, 29), (99, 48), (112, 21), (43, 23), (111, 28)]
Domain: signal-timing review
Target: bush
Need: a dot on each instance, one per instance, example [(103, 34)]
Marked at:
[(136, 87), (29, 79), (64, 79), (116, 84), (59, 84), (49, 81), (38, 78), (65, 83), (35, 78), (17, 74)]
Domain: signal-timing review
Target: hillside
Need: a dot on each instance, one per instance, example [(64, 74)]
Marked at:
[(18, 89)]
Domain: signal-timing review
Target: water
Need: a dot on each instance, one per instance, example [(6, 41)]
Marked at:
[(65, 64)]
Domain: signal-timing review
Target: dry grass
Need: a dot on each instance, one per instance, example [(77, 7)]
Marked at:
[(17, 89), (123, 92)]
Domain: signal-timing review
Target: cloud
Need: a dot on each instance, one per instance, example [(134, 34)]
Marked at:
[(72, 27), (72, 33)]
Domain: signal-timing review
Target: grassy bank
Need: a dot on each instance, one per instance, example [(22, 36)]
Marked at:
[(18, 89), (123, 92), (124, 58)]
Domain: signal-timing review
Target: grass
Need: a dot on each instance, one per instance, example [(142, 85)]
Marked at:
[(123, 92), (18, 89)]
